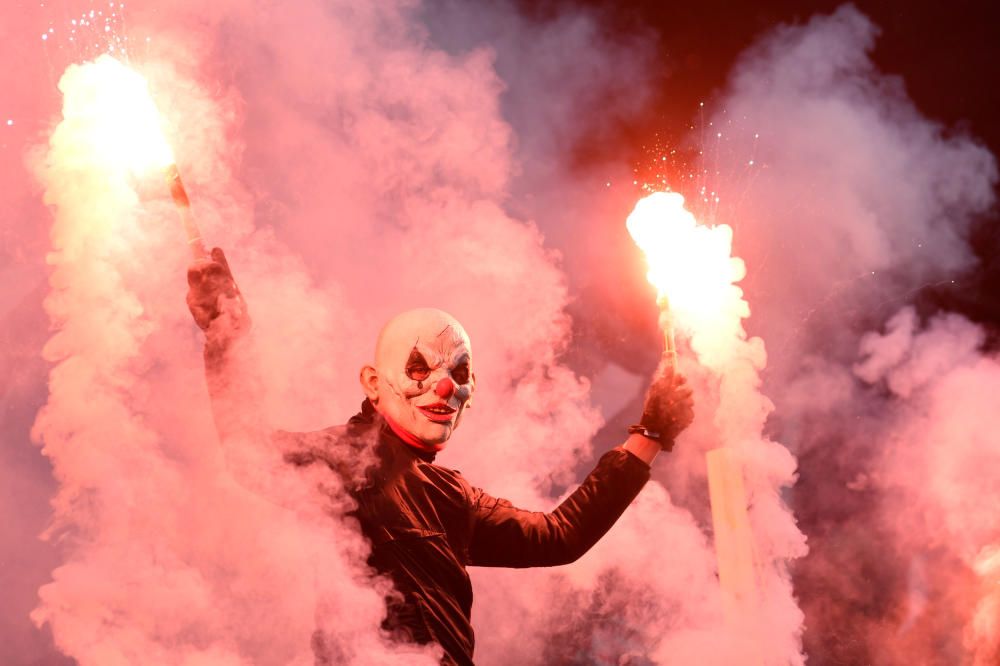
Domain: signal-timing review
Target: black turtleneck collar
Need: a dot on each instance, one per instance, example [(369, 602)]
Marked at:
[(369, 416)]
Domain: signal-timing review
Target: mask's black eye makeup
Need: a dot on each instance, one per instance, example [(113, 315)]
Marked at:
[(461, 373), (416, 367)]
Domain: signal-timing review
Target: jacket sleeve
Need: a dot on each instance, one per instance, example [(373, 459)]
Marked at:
[(505, 536)]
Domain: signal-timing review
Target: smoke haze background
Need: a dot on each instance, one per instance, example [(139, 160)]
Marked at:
[(357, 161), (860, 203)]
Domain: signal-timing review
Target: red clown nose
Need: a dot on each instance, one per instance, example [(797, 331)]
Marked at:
[(445, 388)]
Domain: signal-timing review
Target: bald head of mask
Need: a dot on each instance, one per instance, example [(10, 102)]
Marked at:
[(421, 380)]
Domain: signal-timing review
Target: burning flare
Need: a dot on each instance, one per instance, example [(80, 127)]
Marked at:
[(109, 109), (123, 124), (691, 265)]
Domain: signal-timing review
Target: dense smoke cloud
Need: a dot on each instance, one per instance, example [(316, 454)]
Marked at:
[(853, 196), (938, 463), (852, 204), (170, 560), (354, 163)]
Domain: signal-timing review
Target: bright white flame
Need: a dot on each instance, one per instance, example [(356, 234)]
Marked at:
[(691, 265), (112, 104)]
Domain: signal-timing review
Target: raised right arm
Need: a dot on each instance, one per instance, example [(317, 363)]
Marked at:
[(234, 384)]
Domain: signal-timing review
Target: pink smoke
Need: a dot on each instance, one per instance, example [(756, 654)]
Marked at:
[(940, 465), (352, 167), (853, 204)]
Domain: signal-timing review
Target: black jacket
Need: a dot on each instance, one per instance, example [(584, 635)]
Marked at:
[(426, 524)]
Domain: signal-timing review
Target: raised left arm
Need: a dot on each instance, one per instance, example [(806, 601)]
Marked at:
[(506, 536)]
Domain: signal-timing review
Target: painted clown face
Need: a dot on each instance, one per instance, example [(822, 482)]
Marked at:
[(422, 378)]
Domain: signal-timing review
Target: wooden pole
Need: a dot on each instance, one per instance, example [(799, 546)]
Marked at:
[(734, 551)]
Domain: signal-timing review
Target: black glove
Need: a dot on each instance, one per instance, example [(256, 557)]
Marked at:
[(214, 299), (668, 409)]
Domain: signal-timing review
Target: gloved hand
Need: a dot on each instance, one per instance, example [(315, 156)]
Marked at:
[(668, 409), (214, 299)]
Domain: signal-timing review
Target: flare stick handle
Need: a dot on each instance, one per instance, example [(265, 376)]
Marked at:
[(183, 204), (669, 344)]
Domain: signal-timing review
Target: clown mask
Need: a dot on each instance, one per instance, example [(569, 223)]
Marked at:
[(422, 379)]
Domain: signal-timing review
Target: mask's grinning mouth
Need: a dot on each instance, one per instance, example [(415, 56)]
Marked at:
[(437, 411)]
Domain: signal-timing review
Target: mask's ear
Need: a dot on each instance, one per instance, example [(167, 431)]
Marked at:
[(472, 388), (369, 383)]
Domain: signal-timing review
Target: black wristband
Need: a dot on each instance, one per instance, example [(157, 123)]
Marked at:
[(640, 429)]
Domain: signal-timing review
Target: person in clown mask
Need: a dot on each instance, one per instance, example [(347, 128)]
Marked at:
[(426, 523)]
